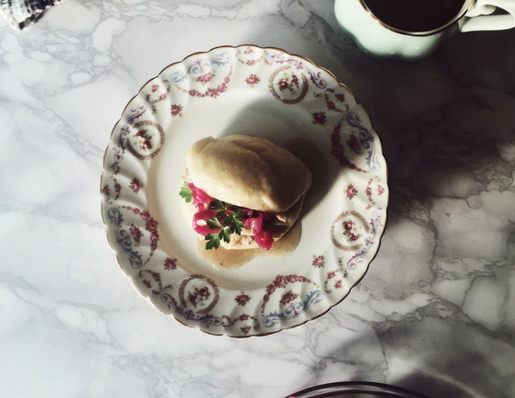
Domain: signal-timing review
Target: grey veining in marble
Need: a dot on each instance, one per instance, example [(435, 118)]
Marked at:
[(435, 312)]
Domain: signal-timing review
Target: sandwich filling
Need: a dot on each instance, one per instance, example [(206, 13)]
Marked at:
[(217, 220)]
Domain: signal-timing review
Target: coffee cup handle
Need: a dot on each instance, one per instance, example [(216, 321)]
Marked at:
[(479, 17)]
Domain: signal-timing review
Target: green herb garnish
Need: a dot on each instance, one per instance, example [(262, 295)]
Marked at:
[(227, 220), (186, 193)]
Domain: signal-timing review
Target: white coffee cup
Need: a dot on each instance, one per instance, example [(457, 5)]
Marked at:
[(382, 39)]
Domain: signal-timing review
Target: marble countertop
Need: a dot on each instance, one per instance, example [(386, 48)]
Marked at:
[(436, 310)]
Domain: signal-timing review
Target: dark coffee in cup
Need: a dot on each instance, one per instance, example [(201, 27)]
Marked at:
[(415, 15)]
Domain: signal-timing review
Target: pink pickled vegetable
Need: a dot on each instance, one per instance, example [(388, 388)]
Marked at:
[(252, 220), (264, 239), (202, 216), (200, 198)]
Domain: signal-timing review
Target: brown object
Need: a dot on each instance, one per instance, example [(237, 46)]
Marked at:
[(249, 172)]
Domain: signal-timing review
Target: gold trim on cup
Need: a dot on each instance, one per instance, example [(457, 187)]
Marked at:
[(467, 4)]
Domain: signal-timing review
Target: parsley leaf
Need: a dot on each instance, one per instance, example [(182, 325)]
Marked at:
[(218, 205), (225, 234), (213, 241), (186, 193), (237, 224), (213, 223), (226, 221)]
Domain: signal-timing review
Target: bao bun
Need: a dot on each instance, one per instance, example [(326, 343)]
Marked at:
[(249, 172)]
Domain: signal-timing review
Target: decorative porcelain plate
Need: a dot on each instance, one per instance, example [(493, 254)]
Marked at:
[(257, 91)]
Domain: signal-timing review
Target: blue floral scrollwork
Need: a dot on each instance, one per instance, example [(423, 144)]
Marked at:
[(366, 140), (201, 66), (208, 320), (294, 309), (357, 259), (119, 149), (123, 238), (282, 58)]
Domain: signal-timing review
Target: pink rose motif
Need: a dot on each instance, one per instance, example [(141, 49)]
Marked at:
[(283, 84), (205, 78), (176, 109), (270, 289), (351, 191), (338, 284), (337, 151), (135, 185), (145, 141), (198, 295), (340, 97), (288, 298), (354, 144), (252, 80), (242, 299), (155, 276), (318, 261), (279, 281), (170, 263), (350, 230), (245, 329), (348, 225), (135, 233), (380, 190), (212, 93), (155, 87), (319, 118), (151, 225)]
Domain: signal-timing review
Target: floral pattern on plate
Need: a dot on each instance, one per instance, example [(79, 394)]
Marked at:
[(251, 90)]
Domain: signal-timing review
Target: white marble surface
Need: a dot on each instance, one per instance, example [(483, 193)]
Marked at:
[(435, 312)]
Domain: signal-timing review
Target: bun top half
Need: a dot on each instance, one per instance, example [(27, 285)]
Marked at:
[(248, 171)]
